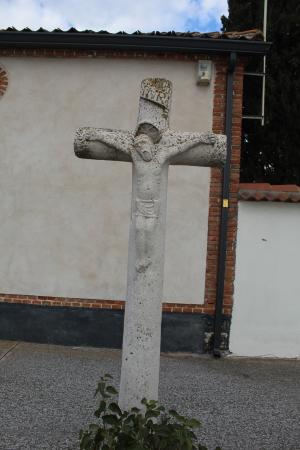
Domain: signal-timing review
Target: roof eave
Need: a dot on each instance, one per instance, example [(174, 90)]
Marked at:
[(118, 42)]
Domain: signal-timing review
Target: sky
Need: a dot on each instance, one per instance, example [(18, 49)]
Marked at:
[(113, 15)]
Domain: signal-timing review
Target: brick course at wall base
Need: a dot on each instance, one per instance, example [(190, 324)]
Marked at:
[(215, 198), (44, 300)]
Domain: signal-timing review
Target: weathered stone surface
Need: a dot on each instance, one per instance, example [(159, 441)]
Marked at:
[(151, 149)]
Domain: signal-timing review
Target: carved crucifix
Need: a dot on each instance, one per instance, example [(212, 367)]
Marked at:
[(151, 148)]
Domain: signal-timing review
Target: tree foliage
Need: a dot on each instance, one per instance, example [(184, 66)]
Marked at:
[(272, 153)]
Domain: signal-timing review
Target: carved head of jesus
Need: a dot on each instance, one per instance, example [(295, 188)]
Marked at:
[(144, 146), (146, 136)]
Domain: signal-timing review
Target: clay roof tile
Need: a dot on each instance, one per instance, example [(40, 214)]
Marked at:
[(269, 192), (255, 34)]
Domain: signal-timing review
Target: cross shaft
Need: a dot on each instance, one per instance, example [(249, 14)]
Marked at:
[(151, 149)]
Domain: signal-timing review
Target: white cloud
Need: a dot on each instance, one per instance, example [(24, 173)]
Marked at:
[(111, 15)]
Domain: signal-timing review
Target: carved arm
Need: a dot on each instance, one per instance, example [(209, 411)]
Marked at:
[(101, 143), (195, 149)]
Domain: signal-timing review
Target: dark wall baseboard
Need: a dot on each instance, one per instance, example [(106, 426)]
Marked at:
[(181, 332)]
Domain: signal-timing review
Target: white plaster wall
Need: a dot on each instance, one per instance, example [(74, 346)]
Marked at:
[(266, 312), (64, 221)]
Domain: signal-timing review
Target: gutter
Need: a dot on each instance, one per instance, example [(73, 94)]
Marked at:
[(121, 42), (224, 212)]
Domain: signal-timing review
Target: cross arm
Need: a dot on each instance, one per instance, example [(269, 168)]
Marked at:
[(196, 149), (102, 143)]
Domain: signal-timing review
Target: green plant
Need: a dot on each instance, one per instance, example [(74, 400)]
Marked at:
[(138, 429)]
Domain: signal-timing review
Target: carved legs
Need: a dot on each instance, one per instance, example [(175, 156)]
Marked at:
[(142, 326)]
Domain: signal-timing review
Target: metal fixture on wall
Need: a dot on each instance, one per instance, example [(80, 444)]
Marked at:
[(204, 71)]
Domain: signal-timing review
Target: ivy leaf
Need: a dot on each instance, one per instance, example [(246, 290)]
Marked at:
[(193, 423), (111, 390), (101, 409), (101, 389), (110, 419), (151, 413), (174, 413), (115, 408), (151, 404), (135, 410), (93, 427)]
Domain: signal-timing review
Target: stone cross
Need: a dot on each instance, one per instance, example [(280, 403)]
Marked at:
[(151, 148)]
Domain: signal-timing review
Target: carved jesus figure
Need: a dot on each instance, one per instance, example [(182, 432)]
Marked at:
[(151, 148)]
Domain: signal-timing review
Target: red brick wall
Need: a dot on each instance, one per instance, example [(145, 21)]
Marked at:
[(215, 185), (3, 80)]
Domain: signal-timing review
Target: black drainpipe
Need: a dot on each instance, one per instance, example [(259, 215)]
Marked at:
[(224, 212)]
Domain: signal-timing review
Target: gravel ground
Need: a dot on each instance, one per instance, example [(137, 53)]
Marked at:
[(46, 396)]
